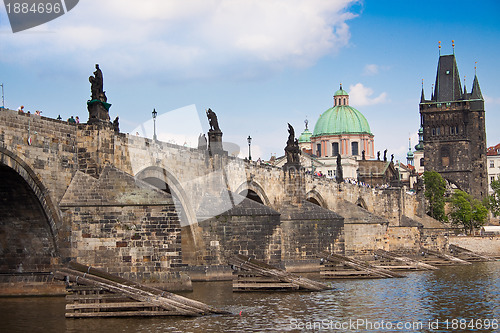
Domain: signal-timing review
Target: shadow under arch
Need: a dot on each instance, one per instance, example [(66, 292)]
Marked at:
[(166, 181), (316, 198), (192, 244), (253, 190), (22, 182)]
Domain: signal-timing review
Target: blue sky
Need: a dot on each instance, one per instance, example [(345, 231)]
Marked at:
[(258, 64)]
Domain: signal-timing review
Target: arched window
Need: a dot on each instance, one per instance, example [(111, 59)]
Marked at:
[(335, 148), (355, 148)]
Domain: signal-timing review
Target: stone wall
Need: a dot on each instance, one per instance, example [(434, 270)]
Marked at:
[(122, 225), (249, 228), (307, 230), (484, 245), (51, 154)]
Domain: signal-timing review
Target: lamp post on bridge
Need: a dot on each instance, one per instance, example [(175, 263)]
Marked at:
[(249, 140), (154, 113)]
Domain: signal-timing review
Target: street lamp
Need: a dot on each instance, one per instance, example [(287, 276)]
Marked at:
[(249, 140), (154, 113)]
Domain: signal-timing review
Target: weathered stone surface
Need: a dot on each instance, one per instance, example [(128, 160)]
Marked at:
[(123, 225)]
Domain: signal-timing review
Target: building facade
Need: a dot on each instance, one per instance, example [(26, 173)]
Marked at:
[(493, 158), (454, 134)]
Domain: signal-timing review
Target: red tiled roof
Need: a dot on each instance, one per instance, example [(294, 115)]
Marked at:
[(493, 150)]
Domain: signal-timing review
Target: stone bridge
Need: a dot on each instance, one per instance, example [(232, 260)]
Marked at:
[(141, 207)]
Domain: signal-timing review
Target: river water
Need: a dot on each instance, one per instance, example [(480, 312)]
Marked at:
[(452, 299)]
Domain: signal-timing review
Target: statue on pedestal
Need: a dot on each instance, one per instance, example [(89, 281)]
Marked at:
[(292, 150), (339, 175), (97, 106), (214, 134), (212, 121)]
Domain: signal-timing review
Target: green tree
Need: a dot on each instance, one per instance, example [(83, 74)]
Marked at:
[(435, 188), (467, 212), (493, 201)]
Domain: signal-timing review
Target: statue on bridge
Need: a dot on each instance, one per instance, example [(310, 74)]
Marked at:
[(214, 134), (97, 86), (97, 105), (339, 175), (212, 121), (292, 150)]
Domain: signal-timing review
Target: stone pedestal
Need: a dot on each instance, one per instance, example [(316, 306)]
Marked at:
[(215, 142), (98, 111)]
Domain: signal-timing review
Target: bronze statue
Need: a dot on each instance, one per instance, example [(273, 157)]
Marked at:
[(378, 155), (385, 155), (392, 158), (339, 175), (96, 82), (212, 120), (116, 125), (292, 149), (363, 155), (291, 135)]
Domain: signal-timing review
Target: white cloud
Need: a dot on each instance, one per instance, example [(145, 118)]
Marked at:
[(371, 69), (360, 95), (491, 100), (186, 39)]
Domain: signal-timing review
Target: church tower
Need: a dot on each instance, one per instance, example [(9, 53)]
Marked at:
[(453, 123)]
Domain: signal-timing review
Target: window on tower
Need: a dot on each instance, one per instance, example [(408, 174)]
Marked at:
[(335, 149), (354, 148), (318, 150)]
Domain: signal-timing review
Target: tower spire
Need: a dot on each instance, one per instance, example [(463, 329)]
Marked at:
[(453, 45), (476, 91), (422, 96), (465, 87), (439, 46)]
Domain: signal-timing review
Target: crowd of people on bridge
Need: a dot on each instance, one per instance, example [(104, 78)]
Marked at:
[(71, 120)]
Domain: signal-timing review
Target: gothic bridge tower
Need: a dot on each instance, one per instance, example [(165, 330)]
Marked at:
[(453, 122)]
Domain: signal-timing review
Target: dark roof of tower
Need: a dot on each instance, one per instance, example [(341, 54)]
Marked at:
[(448, 87), (476, 91)]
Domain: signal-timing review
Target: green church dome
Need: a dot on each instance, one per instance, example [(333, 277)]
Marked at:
[(305, 136), (341, 119)]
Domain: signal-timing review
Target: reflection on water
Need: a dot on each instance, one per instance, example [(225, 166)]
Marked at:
[(415, 302)]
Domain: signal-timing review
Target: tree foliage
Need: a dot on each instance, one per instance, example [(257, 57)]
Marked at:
[(435, 188), (467, 212), (493, 201)]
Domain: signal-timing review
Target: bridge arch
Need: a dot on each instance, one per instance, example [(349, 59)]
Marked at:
[(192, 243), (165, 180), (248, 189), (29, 219), (315, 197)]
